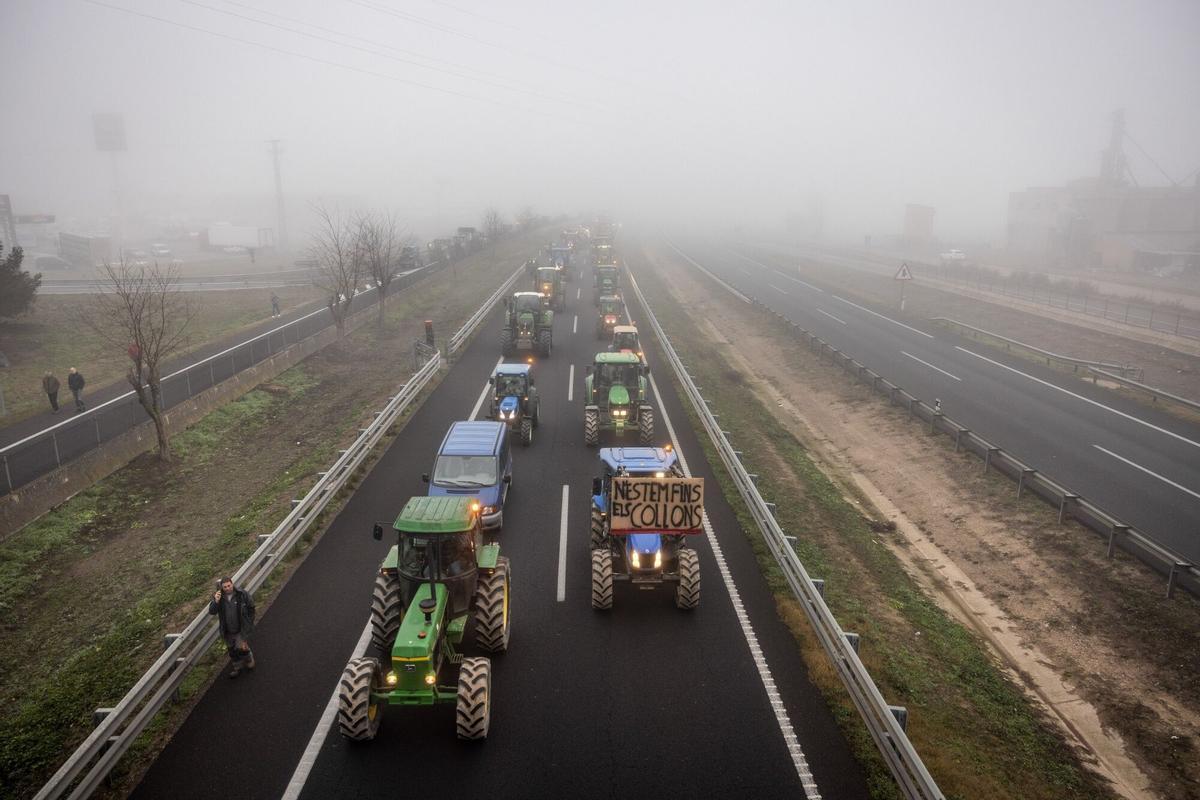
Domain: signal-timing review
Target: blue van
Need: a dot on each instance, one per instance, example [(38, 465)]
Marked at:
[(475, 461)]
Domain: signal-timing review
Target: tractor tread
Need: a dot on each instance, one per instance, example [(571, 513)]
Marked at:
[(493, 626), (526, 431), (473, 715), (602, 579), (646, 425), (687, 592), (599, 534), (385, 611), (591, 428), (355, 720)]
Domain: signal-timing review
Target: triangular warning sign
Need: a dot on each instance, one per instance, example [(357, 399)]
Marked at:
[(903, 273)]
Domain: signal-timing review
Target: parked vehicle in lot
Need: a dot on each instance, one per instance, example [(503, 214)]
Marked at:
[(160, 251), (475, 460)]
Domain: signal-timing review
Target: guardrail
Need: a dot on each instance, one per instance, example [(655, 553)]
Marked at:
[(882, 721), (463, 334), (1179, 570), (1152, 391), (119, 726), (30, 458), (1124, 369)]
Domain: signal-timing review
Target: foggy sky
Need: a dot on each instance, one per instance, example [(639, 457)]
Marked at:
[(712, 111)]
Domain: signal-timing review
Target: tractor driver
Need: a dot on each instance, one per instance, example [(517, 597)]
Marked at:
[(510, 385)]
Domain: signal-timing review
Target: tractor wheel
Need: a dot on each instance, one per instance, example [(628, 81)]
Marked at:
[(687, 593), (602, 579), (506, 341), (646, 425), (526, 431), (545, 343), (474, 714), (358, 714), (591, 427), (493, 621), (385, 611), (599, 536)]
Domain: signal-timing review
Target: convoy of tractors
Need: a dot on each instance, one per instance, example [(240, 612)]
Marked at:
[(441, 601)]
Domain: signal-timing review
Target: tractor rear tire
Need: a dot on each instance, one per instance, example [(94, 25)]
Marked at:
[(591, 427), (687, 593), (493, 621), (602, 579), (646, 425), (474, 713), (599, 536), (526, 431), (358, 714), (506, 342), (385, 612), (545, 343)]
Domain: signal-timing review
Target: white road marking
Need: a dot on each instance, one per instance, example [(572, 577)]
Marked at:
[(807, 781), (562, 544), (881, 316), (575, 325), (776, 288), (313, 749), (1130, 417), (777, 272), (1151, 473), (577, 291), (571, 384), (931, 366), (727, 287), (483, 395), (831, 316)]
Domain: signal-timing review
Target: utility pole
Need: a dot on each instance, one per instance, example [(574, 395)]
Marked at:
[(282, 241)]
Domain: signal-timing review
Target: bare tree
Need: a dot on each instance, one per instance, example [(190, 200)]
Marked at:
[(141, 310), (493, 228), (382, 241), (341, 261)]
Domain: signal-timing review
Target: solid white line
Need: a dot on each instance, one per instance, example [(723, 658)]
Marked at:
[(575, 325), (1081, 397), (831, 316), (562, 545), (776, 288), (931, 366), (1148, 472), (803, 771), (777, 272), (483, 395), (727, 287), (881, 316), (571, 384), (313, 749)]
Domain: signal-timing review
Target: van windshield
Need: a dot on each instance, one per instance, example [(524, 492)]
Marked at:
[(465, 471)]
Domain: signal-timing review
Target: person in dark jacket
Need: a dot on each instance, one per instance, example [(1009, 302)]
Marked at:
[(75, 383), (50, 387), (234, 609)]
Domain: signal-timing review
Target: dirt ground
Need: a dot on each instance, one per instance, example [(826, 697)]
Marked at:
[(1095, 640), (1167, 369)]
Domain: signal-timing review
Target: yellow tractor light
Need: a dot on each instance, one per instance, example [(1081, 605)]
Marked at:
[(430, 679), (660, 474), (637, 561), (658, 559), (475, 507), (391, 678)]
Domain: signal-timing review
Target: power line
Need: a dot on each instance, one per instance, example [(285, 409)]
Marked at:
[(1148, 158)]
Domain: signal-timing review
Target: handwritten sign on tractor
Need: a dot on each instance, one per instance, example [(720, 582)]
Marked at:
[(674, 505)]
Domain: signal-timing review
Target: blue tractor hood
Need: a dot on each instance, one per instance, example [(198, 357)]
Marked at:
[(509, 405), (645, 543)]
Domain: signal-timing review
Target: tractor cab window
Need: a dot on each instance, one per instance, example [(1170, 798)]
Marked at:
[(454, 555), (415, 556), (509, 385), (625, 341), (529, 302), (613, 374), (458, 554), (465, 471)]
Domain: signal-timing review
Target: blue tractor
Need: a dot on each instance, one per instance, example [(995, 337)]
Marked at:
[(515, 399), (646, 559)]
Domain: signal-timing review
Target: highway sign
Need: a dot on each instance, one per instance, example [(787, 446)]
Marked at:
[(903, 274)]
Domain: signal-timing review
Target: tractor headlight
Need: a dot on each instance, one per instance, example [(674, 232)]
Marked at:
[(637, 560), (489, 509), (391, 678), (660, 474), (430, 679), (658, 559)]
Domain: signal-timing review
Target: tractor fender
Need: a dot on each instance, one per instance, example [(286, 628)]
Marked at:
[(393, 558), (489, 556), (592, 407)]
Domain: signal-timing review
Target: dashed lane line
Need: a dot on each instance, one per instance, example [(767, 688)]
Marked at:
[(1149, 472), (562, 543), (832, 317), (931, 366)]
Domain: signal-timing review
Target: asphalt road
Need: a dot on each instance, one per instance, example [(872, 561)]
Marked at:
[(1139, 464), (644, 701)]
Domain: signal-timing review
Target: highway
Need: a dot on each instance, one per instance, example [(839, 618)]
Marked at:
[(1138, 463), (646, 700)]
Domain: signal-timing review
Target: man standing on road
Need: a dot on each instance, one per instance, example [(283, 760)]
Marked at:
[(50, 387), (235, 612), (75, 383), (274, 305)]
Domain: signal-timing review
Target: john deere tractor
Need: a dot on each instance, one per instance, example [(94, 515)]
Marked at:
[(610, 309), (608, 282), (528, 324), (549, 282), (438, 579), (515, 399), (615, 394), (646, 557)]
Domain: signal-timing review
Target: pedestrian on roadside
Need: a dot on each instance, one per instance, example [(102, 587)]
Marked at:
[(50, 387), (75, 383), (274, 305), (234, 609)]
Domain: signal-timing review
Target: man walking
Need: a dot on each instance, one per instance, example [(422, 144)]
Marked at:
[(274, 305), (75, 383), (50, 387), (235, 612)]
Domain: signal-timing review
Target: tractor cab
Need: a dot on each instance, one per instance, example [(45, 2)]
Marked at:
[(608, 280), (549, 282), (625, 340), (616, 379)]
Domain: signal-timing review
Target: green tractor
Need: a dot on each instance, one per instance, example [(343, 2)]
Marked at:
[(549, 282), (528, 324), (610, 310), (608, 282), (438, 578), (615, 393)]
